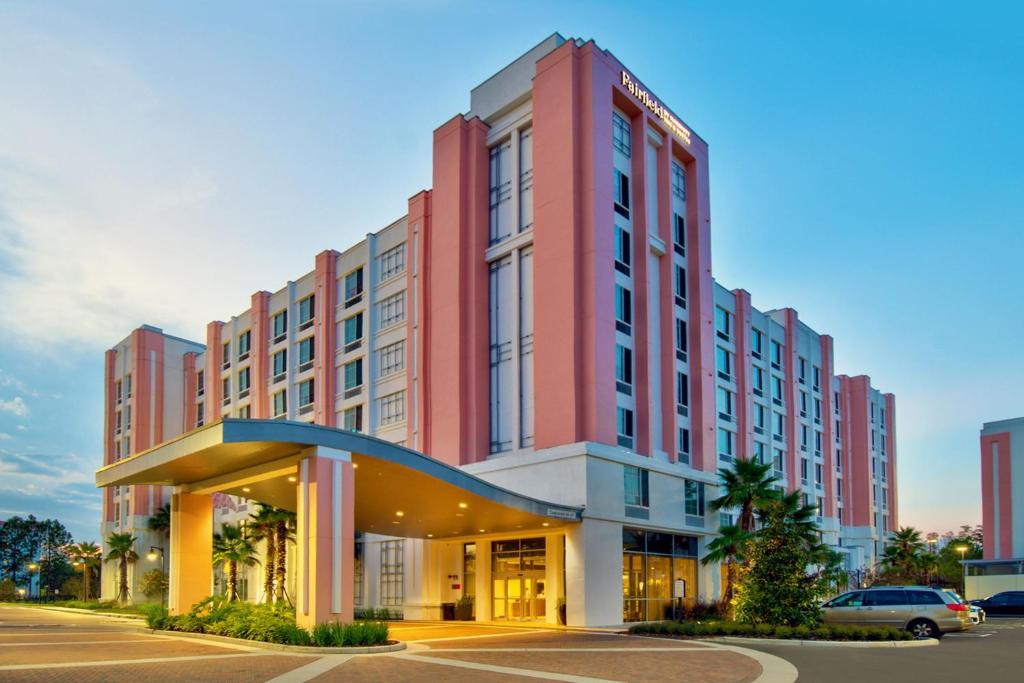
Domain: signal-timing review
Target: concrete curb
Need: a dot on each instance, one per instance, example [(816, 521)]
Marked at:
[(924, 642), (295, 649), (131, 618)]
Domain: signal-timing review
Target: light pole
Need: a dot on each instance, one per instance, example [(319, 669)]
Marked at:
[(963, 554), (151, 556), (33, 567)]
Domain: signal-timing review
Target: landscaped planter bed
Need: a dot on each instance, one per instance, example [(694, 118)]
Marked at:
[(712, 629)]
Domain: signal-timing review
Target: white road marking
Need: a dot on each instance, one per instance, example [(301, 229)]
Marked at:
[(574, 649), (311, 670), (78, 642), (123, 662), (774, 669), (490, 668), (484, 635)]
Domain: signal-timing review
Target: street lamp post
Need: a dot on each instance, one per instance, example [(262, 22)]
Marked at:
[(962, 549), (151, 556), (33, 567)]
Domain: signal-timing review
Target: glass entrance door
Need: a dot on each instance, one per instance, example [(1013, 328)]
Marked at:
[(519, 598)]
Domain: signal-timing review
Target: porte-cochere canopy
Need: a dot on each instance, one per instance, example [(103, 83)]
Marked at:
[(398, 491)]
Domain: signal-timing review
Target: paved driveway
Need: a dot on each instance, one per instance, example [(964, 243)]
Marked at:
[(43, 645)]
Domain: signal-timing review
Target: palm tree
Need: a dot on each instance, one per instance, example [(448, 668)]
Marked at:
[(791, 514), (263, 527), (744, 486), (728, 547), (121, 547), (232, 547), (87, 555), (904, 555), (284, 527), (160, 522)]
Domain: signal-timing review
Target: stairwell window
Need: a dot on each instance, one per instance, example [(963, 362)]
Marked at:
[(624, 370), (679, 234), (621, 134), (682, 393), (683, 444), (392, 310), (392, 262), (621, 194), (623, 310), (623, 255), (392, 408), (501, 219), (392, 358), (681, 339), (680, 285)]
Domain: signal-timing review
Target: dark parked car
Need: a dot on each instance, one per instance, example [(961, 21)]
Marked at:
[(1006, 604)]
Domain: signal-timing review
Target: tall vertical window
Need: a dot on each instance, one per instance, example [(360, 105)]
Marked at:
[(760, 418), (200, 383), (682, 392), (502, 310), (757, 379), (780, 426), (227, 355), (756, 342), (680, 339), (680, 285), (621, 190), (678, 180), (816, 378), (725, 443), (693, 492), (624, 427), (280, 325), (280, 364), (352, 419), (353, 372), (679, 234), (777, 390), (392, 358), (392, 310), (392, 573), (353, 293), (244, 342), (525, 179), (636, 486), (392, 261), (127, 386), (624, 369), (353, 331), (200, 407), (623, 310), (117, 390), (306, 394), (392, 408), (723, 323), (307, 350), (226, 390), (280, 403), (623, 255), (725, 404), (501, 192), (683, 443), (801, 367), (776, 355), (244, 379), (620, 134), (723, 361), (307, 310)]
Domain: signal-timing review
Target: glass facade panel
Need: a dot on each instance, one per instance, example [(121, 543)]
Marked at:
[(659, 574)]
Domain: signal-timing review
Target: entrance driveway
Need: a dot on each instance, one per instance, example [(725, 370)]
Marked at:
[(43, 645)]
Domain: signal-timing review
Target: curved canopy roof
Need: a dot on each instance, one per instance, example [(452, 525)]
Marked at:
[(398, 491)]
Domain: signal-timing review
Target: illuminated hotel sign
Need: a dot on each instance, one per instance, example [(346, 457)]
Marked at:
[(656, 107)]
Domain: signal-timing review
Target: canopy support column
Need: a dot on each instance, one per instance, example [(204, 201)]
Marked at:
[(191, 567)]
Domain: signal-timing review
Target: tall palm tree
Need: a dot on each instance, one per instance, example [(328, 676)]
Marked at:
[(729, 547), (284, 531), (263, 527), (744, 486), (121, 547), (160, 522), (904, 554), (232, 547), (86, 554), (789, 513)]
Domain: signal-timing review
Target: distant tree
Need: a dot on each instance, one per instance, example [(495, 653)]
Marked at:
[(19, 541), (231, 547), (121, 548), (85, 556)]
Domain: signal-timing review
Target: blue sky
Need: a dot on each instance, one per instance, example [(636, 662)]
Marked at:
[(159, 162)]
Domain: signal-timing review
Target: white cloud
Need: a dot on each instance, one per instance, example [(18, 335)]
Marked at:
[(4, 436), (16, 406), (22, 428)]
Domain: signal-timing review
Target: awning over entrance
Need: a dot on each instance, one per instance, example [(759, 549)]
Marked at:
[(398, 492)]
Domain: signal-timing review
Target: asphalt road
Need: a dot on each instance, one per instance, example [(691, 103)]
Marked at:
[(992, 652)]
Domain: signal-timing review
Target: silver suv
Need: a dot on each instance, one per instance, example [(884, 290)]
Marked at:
[(925, 612)]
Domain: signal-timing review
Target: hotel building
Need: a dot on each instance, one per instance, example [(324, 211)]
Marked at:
[(520, 392)]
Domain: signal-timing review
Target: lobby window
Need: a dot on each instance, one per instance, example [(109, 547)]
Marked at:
[(306, 312), (680, 285), (501, 191), (392, 262), (280, 365), (353, 332), (653, 565), (620, 134), (392, 573), (624, 370), (776, 355), (682, 393), (226, 389), (306, 395), (200, 383), (725, 404), (678, 180), (756, 342), (353, 374), (352, 419), (226, 361), (777, 390), (244, 379), (725, 444), (679, 234), (392, 358), (307, 351), (623, 310), (392, 310), (636, 486), (280, 403), (681, 339), (353, 292), (723, 323), (525, 179), (358, 573), (280, 326), (723, 362), (623, 257), (244, 344), (392, 408), (757, 380), (683, 444), (624, 427), (694, 498), (621, 190)]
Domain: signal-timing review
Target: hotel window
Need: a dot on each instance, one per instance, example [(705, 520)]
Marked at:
[(636, 489), (725, 443), (620, 134), (392, 573), (200, 383), (684, 445), (353, 332), (881, 418), (623, 309), (776, 355), (244, 342), (306, 312), (280, 364), (307, 351), (779, 461), (872, 413), (679, 234), (280, 326), (226, 362), (392, 310), (127, 417), (760, 416), (756, 342), (803, 469), (818, 478), (623, 257), (723, 323), (501, 345), (801, 364), (306, 395), (777, 390), (244, 378), (653, 564), (226, 389), (816, 377), (680, 339), (760, 453), (624, 370), (680, 285), (392, 408), (835, 402), (757, 378), (780, 426), (803, 437), (127, 386), (723, 361), (817, 442), (199, 414), (872, 438), (817, 410), (117, 390), (244, 412), (353, 372), (725, 404), (392, 358), (694, 498), (525, 179), (803, 404), (501, 192), (621, 190), (353, 293), (280, 403), (678, 181), (682, 393), (624, 427), (118, 423), (352, 419), (392, 262)]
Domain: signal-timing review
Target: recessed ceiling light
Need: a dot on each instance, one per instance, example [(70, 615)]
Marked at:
[(544, 524), (430, 535), (395, 522), (399, 513), (483, 530), (355, 465), (292, 479), (246, 489), (459, 514), (463, 505)]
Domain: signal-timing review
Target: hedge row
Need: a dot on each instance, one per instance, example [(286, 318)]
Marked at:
[(687, 629), (268, 623)]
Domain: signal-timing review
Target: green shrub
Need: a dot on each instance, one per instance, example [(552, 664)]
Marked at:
[(156, 615), (784, 632), (764, 630)]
